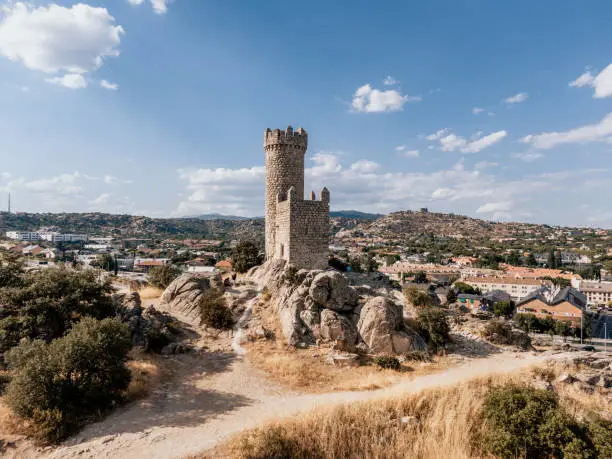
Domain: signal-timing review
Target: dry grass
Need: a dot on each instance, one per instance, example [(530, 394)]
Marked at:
[(431, 424), (150, 293), (148, 372), (308, 371)]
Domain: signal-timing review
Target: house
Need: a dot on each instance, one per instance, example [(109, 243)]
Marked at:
[(31, 250), (597, 293), (517, 287), (200, 269), (224, 265), (147, 265), (566, 303), (472, 302)]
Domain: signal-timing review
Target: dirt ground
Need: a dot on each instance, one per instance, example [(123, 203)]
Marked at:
[(213, 393)]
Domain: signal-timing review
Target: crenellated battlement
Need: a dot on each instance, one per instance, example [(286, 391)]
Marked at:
[(277, 138)]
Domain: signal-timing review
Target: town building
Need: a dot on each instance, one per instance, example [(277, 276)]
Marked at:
[(45, 236), (23, 235), (517, 287), (297, 229), (537, 273), (566, 303), (597, 293)]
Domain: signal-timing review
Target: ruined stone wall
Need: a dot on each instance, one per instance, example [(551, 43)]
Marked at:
[(302, 236), (285, 152)]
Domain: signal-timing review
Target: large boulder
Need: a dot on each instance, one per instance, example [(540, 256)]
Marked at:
[(185, 292), (331, 290), (335, 326), (382, 328)]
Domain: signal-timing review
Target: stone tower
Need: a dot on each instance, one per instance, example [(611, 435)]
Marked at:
[(297, 230)]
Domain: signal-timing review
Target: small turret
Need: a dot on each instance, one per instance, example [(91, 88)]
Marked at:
[(313, 196), (292, 194), (325, 196)]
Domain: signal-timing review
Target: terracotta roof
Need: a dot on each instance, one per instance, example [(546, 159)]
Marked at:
[(538, 272), (224, 264), (150, 263), (503, 280)]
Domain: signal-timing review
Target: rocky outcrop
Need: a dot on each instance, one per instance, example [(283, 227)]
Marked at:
[(320, 306), (381, 328), (184, 293)]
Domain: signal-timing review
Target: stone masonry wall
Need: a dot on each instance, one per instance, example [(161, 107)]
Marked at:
[(285, 152), (297, 230)]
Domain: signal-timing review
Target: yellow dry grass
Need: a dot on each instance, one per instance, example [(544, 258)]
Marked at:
[(150, 293), (431, 424), (148, 372)]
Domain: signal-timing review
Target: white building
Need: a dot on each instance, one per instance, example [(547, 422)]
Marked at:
[(597, 293), (23, 235), (59, 237), (517, 287)]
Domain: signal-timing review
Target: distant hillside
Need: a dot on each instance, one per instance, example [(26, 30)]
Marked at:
[(354, 214), (216, 216)]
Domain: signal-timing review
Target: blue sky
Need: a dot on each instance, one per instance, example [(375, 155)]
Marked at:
[(496, 110)]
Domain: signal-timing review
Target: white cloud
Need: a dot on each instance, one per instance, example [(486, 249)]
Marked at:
[(400, 148), (590, 133), (102, 199), (54, 38), (108, 85), (389, 81), (490, 207), (477, 110), (65, 184), (159, 6), (485, 165), (528, 157), (71, 80), (586, 79), (602, 83), (453, 142), (365, 166), (112, 180), (484, 142), (517, 98), (369, 100), (410, 154), (437, 135)]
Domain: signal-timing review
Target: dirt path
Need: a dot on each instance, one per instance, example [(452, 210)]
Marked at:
[(221, 395), (216, 393)]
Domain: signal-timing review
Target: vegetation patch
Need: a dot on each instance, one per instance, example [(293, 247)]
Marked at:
[(388, 362), (214, 311), (59, 387)]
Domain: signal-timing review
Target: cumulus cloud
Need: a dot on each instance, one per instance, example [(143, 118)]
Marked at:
[(411, 154), (390, 81), (56, 39), (492, 207), (452, 142), (485, 165), (602, 83), (477, 110), (596, 132), (159, 6), (71, 80), (102, 199), (517, 98), (367, 186), (108, 85), (365, 166), (64, 184), (528, 157), (369, 100)]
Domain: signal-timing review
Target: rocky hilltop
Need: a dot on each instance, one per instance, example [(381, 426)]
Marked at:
[(317, 307)]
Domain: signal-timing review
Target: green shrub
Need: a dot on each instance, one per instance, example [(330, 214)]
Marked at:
[(417, 356), (418, 298), (525, 422), (389, 362), (245, 256), (45, 304), (213, 311), (503, 308), (599, 432), (162, 276), (433, 324), (60, 386)]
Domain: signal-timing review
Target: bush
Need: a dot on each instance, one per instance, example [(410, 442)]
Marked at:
[(418, 298), (525, 422), (213, 311), (276, 443), (462, 287), (58, 387), (245, 256), (503, 308), (162, 276), (389, 362), (45, 304), (433, 324)]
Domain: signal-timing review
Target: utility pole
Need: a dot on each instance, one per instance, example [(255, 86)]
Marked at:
[(581, 315), (606, 337)]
